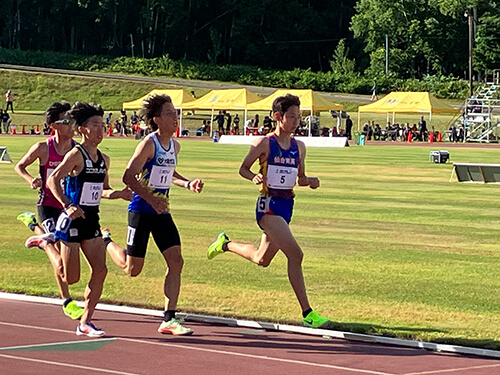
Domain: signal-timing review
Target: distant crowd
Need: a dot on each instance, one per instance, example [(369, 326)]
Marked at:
[(411, 133)]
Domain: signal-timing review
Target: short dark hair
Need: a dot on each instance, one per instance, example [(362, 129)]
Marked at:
[(81, 112), (54, 111), (282, 103), (151, 107)]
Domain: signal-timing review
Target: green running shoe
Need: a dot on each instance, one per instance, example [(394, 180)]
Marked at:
[(27, 218), (314, 320), (217, 247), (106, 234), (72, 310)]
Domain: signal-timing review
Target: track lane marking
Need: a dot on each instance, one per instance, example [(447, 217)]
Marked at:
[(253, 356), (453, 370), (53, 363)]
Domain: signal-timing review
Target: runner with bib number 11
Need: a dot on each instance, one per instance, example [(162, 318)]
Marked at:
[(281, 158)]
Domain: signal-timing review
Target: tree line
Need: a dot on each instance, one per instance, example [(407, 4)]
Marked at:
[(425, 37)]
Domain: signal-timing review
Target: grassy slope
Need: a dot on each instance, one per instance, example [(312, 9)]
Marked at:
[(35, 92), (391, 246)]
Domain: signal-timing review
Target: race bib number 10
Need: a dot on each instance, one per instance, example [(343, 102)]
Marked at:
[(279, 177), (91, 194)]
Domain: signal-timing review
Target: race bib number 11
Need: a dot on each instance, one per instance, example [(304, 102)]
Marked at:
[(161, 177)]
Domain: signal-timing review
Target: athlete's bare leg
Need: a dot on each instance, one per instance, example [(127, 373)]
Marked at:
[(277, 236), (95, 254), (131, 265), (172, 284)]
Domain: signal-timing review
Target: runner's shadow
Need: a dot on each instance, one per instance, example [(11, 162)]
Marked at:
[(378, 330)]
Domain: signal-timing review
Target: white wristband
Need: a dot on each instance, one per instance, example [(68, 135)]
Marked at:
[(186, 184)]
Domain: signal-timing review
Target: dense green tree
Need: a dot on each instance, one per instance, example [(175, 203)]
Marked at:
[(426, 36)]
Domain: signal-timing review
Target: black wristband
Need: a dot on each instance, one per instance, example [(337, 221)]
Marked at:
[(69, 205)]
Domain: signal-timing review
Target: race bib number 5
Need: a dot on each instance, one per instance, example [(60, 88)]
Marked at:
[(280, 177), (263, 204), (91, 194)]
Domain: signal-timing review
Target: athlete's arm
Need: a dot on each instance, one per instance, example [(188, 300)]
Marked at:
[(302, 179), (144, 152), (110, 193), (259, 149), (37, 151), (71, 164), (195, 185)]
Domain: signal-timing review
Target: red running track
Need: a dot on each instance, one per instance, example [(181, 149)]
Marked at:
[(37, 338)]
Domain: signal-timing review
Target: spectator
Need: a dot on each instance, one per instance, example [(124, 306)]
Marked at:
[(229, 119), (118, 127), (348, 127), (423, 129), (267, 125), (220, 122), (453, 133), (4, 116), (377, 133), (374, 91), (9, 98), (134, 121), (123, 123), (461, 134), (236, 125), (205, 128)]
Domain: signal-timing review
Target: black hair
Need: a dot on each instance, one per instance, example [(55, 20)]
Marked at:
[(81, 112), (54, 111), (282, 103), (152, 106)]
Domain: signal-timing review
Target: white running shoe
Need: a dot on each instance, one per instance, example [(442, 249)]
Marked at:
[(90, 330)]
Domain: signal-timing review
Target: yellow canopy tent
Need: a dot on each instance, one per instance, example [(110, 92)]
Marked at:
[(309, 101), (224, 99), (407, 102), (179, 98)]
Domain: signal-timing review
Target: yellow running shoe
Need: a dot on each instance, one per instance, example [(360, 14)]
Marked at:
[(72, 310), (27, 218), (217, 247)]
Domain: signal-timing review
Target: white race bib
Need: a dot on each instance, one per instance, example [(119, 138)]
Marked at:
[(48, 173), (281, 177), (161, 176), (91, 194)]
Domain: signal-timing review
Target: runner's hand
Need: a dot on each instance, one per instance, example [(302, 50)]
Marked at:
[(75, 212), (196, 185), (258, 179), (36, 183), (159, 204), (313, 182)]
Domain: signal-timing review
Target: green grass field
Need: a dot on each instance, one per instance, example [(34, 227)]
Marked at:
[(391, 245)]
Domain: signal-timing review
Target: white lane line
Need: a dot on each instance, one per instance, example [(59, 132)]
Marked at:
[(230, 353), (453, 370), (348, 336), (53, 363), (261, 357)]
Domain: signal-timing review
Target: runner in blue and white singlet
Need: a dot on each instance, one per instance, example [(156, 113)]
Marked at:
[(156, 175)]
